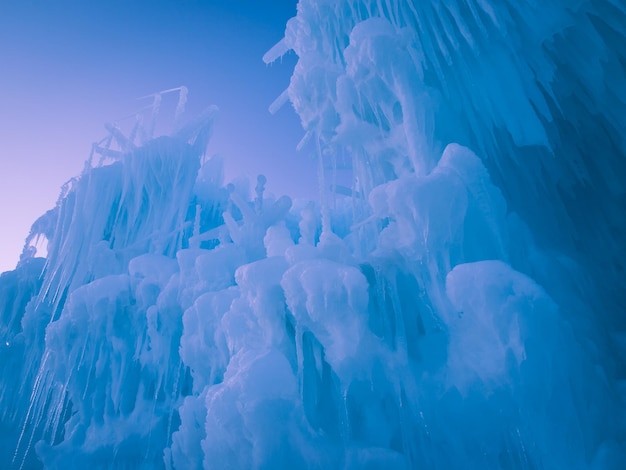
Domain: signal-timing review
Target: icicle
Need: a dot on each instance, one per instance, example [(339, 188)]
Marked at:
[(136, 128), (276, 52), (182, 101), (259, 189), (279, 102), (326, 226), (156, 106)]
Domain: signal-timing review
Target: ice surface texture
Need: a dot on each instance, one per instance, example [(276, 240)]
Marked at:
[(453, 309)]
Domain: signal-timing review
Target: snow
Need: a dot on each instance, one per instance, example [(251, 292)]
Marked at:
[(459, 306)]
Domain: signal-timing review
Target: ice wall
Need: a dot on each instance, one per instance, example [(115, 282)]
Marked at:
[(534, 88), (459, 306)]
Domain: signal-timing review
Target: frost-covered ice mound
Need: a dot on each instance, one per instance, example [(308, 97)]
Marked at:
[(445, 312)]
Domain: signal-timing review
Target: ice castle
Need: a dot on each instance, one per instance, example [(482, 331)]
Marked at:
[(461, 305)]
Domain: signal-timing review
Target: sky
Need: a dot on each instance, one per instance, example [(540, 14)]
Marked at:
[(70, 66)]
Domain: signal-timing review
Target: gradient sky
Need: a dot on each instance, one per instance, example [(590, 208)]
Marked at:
[(70, 66)]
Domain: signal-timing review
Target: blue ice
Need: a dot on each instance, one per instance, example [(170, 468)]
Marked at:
[(460, 305)]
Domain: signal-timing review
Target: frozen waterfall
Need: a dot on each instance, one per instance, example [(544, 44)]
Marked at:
[(461, 305)]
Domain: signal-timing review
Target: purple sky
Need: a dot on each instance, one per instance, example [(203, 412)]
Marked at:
[(70, 66)]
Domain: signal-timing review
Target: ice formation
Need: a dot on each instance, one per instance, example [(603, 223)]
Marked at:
[(460, 306)]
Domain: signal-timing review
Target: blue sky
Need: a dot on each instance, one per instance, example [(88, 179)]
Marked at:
[(70, 66)]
